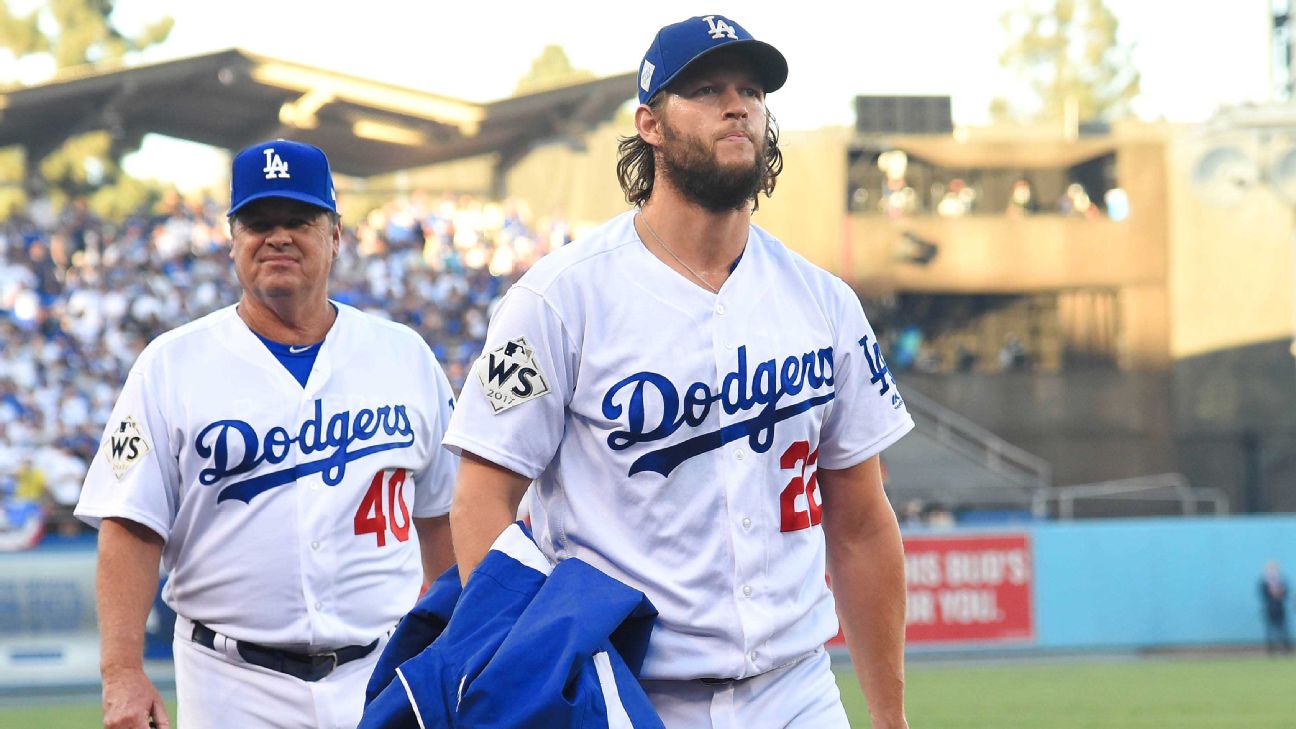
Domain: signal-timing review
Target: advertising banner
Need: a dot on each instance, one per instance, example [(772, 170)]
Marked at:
[(969, 588)]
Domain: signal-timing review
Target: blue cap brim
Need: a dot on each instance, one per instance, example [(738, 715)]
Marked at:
[(288, 194), (768, 62)]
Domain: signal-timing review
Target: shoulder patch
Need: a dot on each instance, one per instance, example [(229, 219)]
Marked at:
[(126, 446), (509, 375)]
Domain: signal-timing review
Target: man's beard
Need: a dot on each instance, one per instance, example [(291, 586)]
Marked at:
[(693, 170)]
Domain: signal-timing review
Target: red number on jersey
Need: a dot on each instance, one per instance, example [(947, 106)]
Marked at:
[(396, 497), (798, 457), (371, 518)]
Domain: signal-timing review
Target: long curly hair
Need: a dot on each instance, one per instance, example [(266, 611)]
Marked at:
[(637, 161)]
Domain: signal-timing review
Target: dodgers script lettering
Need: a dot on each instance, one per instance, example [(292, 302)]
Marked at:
[(221, 440), (742, 390)]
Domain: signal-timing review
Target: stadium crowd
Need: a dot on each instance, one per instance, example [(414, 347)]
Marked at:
[(80, 298)]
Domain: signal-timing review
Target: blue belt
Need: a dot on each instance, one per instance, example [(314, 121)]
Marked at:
[(305, 666)]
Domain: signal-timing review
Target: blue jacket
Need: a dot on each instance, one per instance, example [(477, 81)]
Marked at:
[(523, 645)]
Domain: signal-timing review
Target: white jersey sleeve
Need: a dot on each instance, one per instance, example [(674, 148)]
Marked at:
[(868, 413), (134, 474), (529, 356), (434, 485)]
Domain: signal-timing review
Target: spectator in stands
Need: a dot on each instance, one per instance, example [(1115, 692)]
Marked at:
[(937, 516), (1012, 355), (64, 471), (958, 200), (965, 358), (1273, 596), (30, 480), (912, 514), (908, 343), (20, 522), (898, 198), (1075, 203), (1021, 199), (1117, 202)]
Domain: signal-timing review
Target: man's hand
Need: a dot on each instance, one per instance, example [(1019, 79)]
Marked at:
[(125, 582), (130, 700)]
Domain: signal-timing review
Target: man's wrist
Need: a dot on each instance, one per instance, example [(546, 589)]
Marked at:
[(888, 718), (117, 667)]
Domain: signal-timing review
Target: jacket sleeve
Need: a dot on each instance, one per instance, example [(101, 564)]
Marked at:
[(394, 709), (416, 631), (420, 685), (557, 667)]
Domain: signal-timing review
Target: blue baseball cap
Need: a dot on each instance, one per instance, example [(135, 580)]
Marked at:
[(678, 45), (281, 168)]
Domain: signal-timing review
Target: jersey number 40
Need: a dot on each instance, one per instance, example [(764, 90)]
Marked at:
[(373, 518)]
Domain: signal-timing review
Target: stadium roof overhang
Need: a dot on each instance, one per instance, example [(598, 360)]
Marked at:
[(997, 151), (231, 99), (952, 153)]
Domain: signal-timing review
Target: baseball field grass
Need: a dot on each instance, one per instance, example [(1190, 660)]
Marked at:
[(1146, 693)]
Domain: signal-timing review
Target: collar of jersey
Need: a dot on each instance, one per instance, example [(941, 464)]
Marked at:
[(280, 349)]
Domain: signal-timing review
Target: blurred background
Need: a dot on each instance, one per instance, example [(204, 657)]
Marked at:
[(1070, 222)]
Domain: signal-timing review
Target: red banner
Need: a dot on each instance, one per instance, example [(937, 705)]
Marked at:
[(969, 588)]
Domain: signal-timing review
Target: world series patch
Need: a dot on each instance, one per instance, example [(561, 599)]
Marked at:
[(126, 446), (509, 375)]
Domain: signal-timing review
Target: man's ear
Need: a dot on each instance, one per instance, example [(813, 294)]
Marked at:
[(649, 125)]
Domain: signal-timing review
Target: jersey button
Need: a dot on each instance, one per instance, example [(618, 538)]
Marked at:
[(752, 656), (720, 309), (320, 605), (314, 545), (747, 590), (746, 522), (739, 454)]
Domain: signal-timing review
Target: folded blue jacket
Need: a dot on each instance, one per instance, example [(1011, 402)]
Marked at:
[(524, 645)]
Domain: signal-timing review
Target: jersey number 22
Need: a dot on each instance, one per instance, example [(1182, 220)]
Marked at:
[(800, 459)]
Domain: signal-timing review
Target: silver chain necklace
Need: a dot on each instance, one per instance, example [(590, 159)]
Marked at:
[(665, 247)]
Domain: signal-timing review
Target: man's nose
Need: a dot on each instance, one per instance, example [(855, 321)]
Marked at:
[(734, 103), (279, 235)]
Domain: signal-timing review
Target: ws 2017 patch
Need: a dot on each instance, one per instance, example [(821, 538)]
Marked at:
[(509, 375), (126, 446)]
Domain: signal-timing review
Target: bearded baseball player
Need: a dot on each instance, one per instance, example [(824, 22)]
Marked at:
[(281, 459), (702, 411)]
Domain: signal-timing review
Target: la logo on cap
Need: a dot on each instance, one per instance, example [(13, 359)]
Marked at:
[(275, 166), (720, 29)]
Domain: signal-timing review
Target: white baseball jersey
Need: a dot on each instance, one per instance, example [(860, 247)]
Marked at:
[(675, 435), (287, 510)]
